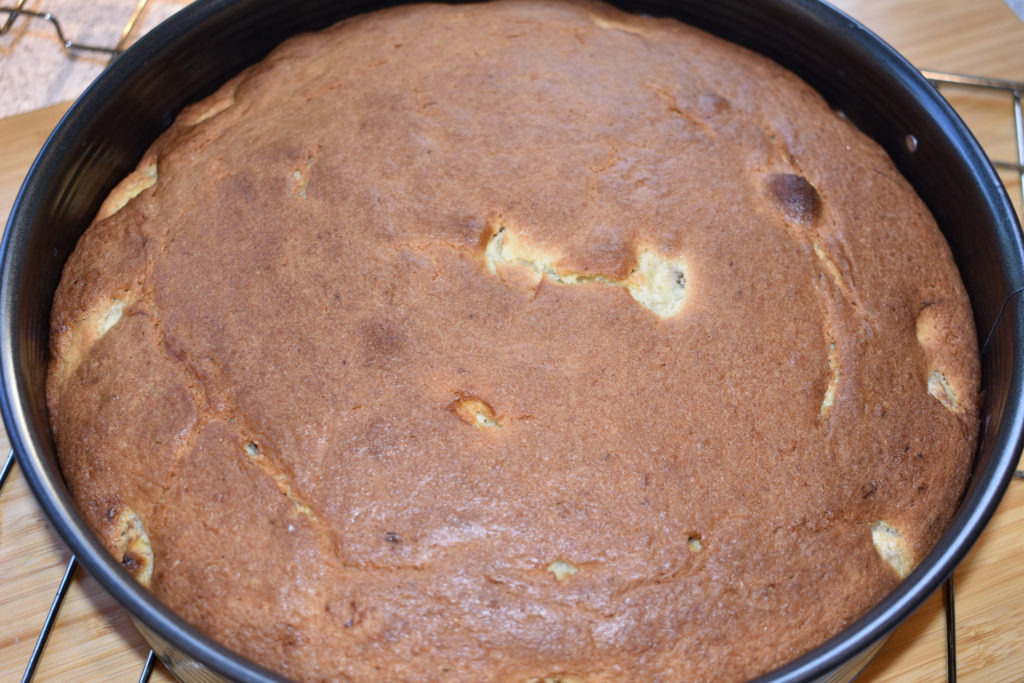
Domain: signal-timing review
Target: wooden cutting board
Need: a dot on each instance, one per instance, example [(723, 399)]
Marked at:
[(94, 639)]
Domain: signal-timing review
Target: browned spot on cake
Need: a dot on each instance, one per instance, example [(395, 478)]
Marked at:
[(131, 562), (796, 199), (712, 104), (383, 339)]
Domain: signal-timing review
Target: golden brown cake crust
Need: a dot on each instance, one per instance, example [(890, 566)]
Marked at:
[(512, 341)]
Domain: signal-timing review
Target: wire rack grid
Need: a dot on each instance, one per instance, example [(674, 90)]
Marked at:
[(18, 10), (1012, 171)]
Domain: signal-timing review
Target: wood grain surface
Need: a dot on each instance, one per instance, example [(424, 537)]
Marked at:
[(94, 639)]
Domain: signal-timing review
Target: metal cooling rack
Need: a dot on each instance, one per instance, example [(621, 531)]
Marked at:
[(1014, 91), (18, 11)]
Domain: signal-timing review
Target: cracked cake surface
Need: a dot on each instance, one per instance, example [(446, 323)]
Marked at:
[(520, 341)]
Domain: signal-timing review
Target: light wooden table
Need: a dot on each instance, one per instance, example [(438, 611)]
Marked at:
[(94, 639)]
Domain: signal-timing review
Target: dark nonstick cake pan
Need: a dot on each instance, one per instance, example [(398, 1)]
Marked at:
[(105, 133)]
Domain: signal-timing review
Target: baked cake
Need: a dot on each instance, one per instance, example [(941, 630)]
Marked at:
[(520, 341)]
